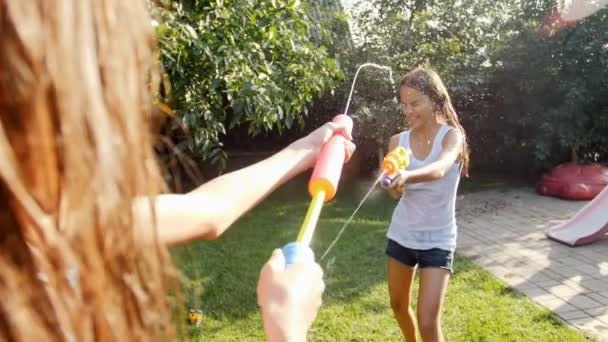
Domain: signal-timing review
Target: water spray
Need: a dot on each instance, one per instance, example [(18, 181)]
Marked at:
[(323, 184), (352, 88), (395, 161)]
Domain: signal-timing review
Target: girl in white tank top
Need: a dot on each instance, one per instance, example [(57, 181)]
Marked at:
[(424, 218), (422, 232)]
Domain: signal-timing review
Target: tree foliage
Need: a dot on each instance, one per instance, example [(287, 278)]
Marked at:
[(527, 97), (559, 84), (456, 37), (234, 62)]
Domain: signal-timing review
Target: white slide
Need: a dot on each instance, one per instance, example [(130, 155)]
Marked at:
[(588, 225)]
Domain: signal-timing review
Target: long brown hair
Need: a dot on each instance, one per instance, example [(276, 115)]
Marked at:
[(426, 80), (75, 152)]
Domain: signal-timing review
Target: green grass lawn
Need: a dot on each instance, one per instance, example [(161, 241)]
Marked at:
[(222, 275)]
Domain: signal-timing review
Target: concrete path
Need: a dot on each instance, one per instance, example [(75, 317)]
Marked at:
[(503, 232)]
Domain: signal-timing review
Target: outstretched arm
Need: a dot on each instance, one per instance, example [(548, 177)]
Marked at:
[(209, 210)]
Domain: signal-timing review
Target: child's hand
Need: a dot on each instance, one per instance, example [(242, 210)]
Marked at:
[(388, 182), (289, 298), (314, 141), (396, 183)]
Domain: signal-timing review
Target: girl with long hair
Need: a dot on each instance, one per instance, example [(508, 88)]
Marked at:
[(422, 232), (83, 228)]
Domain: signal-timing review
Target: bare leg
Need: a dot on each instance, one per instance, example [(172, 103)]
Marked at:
[(400, 280), (433, 286)]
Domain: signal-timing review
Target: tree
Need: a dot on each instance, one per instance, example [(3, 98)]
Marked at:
[(234, 62), (456, 37), (526, 99), (556, 91)]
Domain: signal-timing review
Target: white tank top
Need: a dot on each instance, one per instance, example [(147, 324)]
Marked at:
[(425, 216)]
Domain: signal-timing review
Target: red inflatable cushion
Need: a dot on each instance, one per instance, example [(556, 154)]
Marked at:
[(574, 181)]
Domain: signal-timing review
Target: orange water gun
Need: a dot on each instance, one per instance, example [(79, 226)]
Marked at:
[(396, 160)]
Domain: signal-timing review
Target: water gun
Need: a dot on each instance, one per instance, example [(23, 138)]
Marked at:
[(396, 160), (322, 187)]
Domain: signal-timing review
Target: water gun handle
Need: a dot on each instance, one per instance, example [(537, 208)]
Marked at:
[(295, 252), (388, 180)]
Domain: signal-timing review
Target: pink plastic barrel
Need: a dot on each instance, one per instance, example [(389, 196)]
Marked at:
[(328, 169)]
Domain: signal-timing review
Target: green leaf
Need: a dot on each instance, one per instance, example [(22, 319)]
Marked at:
[(241, 54)]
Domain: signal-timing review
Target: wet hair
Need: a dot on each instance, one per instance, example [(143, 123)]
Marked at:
[(426, 80)]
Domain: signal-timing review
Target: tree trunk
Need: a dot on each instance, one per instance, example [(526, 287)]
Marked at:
[(574, 154)]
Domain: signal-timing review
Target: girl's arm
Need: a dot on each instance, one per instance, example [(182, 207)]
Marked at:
[(450, 150), (209, 210), (392, 191)]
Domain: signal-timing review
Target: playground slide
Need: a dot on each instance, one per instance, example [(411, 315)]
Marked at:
[(588, 225)]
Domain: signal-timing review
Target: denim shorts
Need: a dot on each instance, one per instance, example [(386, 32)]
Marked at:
[(434, 257)]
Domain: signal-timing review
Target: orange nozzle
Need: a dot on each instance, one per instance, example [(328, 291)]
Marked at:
[(395, 160), (328, 169)]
